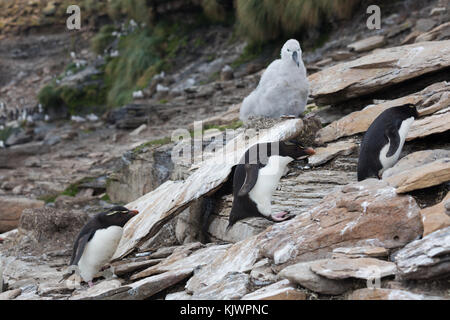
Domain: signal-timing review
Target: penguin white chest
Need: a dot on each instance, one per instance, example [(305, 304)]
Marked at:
[(388, 162), (98, 251), (266, 184)]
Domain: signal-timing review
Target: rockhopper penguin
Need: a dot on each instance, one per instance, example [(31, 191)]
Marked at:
[(383, 141), (98, 240), (256, 178)]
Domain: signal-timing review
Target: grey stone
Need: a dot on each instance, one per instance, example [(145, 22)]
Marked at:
[(426, 258), (301, 273)]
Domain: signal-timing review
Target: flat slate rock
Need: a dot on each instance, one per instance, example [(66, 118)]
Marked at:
[(184, 259), (376, 71), (360, 252), (359, 268), (233, 286), (124, 268), (301, 273), (282, 290), (388, 294), (332, 150), (426, 258), (435, 218), (99, 291), (367, 44), (421, 177), (150, 286)]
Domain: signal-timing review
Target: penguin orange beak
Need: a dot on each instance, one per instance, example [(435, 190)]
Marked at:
[(134, 212), (310, 151)]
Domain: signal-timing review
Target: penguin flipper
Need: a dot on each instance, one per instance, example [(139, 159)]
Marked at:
[(80, 245), (251, 175), (391, 133)]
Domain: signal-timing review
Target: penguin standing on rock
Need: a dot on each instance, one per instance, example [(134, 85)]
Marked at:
[(256, 178), (384, 140), (98, 240)]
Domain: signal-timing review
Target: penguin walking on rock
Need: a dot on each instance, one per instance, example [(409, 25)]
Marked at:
[(383, 141), (256, 178), (98, 240)]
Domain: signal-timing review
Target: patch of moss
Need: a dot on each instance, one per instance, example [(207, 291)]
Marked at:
[(162, 141), (5, 133), (48, 198), (71, 190), (105, 198), (234, 125)]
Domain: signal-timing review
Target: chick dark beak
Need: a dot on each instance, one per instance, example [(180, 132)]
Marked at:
[(295, 58), (310, 151)]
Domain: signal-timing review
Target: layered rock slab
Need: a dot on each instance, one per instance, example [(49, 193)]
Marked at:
[(425, 258), (282, 290), (435, 217), (369, 212), (387, 294), (419, 170), (11, 211), (376, 71), (301, 273)]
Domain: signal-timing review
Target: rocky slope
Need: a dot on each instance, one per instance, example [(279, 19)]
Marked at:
[(377, 239)]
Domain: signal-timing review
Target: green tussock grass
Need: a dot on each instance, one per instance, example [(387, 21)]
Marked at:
[(139, 51), (262, 20), (78, 100), (143, 54), (5, 133), (102, 39)]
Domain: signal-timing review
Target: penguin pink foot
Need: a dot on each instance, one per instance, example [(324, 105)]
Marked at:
[(281, 216), (91, 284)]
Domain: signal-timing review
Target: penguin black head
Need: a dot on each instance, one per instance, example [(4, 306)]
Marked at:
[(117, 216), (294, 149), (408, 110)]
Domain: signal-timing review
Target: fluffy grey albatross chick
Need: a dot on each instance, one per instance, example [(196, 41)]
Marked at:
[(283, 88)]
